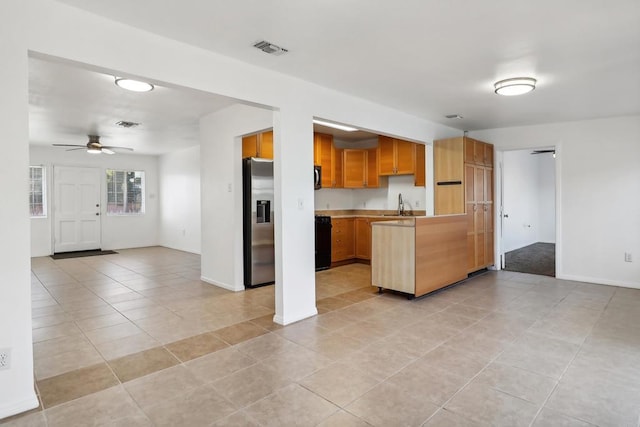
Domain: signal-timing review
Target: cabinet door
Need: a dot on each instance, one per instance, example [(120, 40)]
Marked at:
[(405, 157), (363, 238), (478, 152), (372, 177), (420, 177), (323, 145), (386, 162), (488, 155), (478, 184), (488, 233), (342, 239), (250, 146), (448, 160), (338, 168), (354, 168), (265, 145), (488, 184), (469, 150)]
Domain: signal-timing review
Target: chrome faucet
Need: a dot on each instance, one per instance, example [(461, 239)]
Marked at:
[(400, 205)]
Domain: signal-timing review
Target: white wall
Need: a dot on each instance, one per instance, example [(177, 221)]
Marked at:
[(47, 27), (16, 383), (118, 231), (546, 198), (529, 199), (179, 200), (598, 182), (221, 191)]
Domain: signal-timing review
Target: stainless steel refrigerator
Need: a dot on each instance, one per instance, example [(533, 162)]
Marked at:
[(259, 250)]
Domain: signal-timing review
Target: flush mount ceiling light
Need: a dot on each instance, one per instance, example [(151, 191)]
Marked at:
[(334, 125), (133, 85), (515, 86)]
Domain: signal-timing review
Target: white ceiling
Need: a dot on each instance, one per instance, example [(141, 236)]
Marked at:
[(428, 58), (67, 103)]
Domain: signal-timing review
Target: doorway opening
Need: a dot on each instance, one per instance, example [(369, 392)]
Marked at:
[(528, 219)]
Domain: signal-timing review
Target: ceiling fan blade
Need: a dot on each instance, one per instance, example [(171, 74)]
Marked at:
[(74, 149), (107, 151), (117, 148), (68, 145)]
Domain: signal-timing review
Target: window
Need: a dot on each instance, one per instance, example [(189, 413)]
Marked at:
[(37, 192), (125, 192)]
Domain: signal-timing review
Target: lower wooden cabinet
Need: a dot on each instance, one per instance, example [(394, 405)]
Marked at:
[(363, 238), (342, 239)]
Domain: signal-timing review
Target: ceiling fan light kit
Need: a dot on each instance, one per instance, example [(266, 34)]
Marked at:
[(133, 85), (515, 86)]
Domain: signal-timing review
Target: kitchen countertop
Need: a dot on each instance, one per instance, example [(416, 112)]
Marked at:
[(362, 213)]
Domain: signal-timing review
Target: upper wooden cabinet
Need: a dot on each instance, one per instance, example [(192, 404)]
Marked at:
[(478, 152), (326, 155), (395, 156), (258, 145), (360, 168), (448, 173), (420, 176)]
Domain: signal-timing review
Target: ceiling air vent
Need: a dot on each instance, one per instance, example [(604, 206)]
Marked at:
[(270, 48), (453, 116), (126, 124)]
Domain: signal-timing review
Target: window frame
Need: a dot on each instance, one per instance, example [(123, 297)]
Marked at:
[(43, 190), (143, 184)]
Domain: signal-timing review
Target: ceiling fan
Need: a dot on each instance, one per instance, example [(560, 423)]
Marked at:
[(94, 146)]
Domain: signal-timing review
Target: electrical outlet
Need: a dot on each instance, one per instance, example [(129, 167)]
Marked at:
[(5, 358), (627, 257)]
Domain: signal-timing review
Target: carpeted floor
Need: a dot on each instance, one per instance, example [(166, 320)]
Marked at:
[(539, 258), (79, 254)]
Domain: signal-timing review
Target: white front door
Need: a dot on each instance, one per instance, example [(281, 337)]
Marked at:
[(76, 211)]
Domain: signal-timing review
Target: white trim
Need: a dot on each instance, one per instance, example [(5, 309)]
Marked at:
[(300, 316), (17, 407), (598, 281), (220, 284)]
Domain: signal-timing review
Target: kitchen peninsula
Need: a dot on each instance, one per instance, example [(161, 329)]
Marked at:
[(418, 255)]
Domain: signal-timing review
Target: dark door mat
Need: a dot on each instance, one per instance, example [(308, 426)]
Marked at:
[(539, 258), (80, 254)]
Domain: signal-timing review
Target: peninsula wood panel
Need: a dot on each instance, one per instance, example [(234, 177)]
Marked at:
[(441, 252), (393, 257)]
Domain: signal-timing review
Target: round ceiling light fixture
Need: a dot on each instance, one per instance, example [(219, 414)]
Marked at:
[(133, 85), (515, 86)]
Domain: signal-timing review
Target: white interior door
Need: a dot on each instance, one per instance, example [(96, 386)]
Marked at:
[(76, 211)]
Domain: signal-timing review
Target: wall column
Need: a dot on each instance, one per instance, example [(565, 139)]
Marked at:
[(17, 392), (294, 198)]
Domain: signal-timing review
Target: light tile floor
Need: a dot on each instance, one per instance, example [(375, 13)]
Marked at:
[(135, 339)]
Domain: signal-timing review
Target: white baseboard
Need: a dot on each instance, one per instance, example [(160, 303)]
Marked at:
[(292, 319), (598, 281), (17, 407), (220, 284)]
